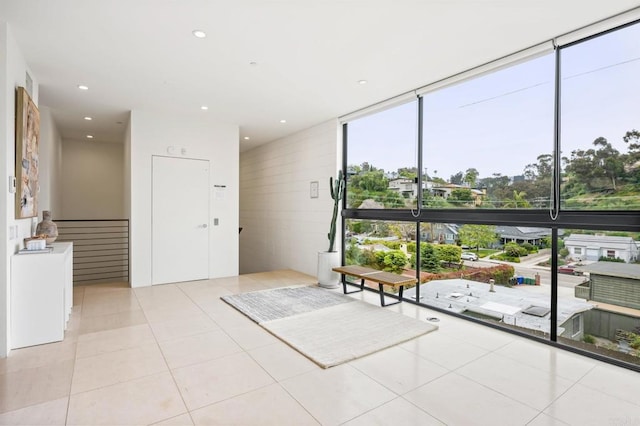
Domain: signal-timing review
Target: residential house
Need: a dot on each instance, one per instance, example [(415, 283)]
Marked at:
[(593, 247), (613, 283), (442, 233), (445, 191), (522, 234), (405, 187)]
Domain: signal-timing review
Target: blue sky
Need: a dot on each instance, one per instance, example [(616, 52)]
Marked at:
[(500, 122)]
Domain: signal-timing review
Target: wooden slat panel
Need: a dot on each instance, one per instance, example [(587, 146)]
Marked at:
[(101, 249), (119, 274), (90, 223), (95, 235), (101, 259), (102, 270), (105, 278), (89, 251), (88, 230), (122, 264), (99, 241)]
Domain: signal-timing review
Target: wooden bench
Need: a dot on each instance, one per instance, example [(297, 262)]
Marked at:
[(380, 277)]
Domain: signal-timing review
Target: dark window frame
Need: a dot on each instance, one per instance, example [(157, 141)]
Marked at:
[(555, 218)]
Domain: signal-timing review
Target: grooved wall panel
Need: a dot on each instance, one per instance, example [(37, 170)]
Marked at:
[(100, 249)]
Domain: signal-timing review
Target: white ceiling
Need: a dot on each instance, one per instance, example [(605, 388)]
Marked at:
[(310, 54)]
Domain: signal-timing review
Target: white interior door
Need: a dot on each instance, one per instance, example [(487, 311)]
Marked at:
[(180, 220)]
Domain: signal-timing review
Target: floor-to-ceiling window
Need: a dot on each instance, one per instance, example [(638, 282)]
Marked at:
[(600, 141), (488, 141), (513, 196), (379, 177)]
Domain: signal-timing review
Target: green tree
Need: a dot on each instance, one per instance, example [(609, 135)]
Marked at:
[(461, 196), (540, 170), (408, 172), (496, 185), (392, 261), (457, 178), (518, 201), (359, 226), (391, 199), (448, 252), (404, 230), (429, 260), (370, 180), (632, 158), (470, 176), (477, 235), (512, 249), (595, 169), (352, 254)]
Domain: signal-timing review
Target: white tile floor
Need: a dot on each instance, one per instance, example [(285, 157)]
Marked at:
[(178, 355)]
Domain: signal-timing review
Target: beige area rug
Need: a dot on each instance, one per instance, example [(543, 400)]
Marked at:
[(327, 327)]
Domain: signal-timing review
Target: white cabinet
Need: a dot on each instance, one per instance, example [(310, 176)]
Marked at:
[(41, 295)]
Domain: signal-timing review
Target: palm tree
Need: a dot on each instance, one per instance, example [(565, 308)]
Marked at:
[(518, 201)]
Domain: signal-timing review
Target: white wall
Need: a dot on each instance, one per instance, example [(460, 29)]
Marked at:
[(151, 134), (50, 196), (283, 227), (13, 70), (92, 180), (127, 171)]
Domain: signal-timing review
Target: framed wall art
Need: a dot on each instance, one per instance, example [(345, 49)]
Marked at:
[(27, 145)]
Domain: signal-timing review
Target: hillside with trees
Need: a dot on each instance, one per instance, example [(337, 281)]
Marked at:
[(597, 178)]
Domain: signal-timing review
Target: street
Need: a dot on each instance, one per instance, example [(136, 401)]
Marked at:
[(528, 269)]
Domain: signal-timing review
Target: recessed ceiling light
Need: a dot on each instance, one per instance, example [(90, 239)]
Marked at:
[(88, 118), (89, 136), (83, 87), (246, 138), (204, 107), (283, 121), (362, 81), (199, 33)]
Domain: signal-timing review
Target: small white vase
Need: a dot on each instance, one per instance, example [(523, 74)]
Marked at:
[(326, 261)]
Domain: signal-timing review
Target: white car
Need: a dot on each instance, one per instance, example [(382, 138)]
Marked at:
[(467, 255)]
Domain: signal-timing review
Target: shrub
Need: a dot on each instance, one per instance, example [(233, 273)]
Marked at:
[(514, 250), (611, 259), (502, 273), (392, 261), (352, 255), (367, 258), (635, 343), (393, 245), (503, 256), (589, 339), (564, 252), (530, 248), (448, 252)]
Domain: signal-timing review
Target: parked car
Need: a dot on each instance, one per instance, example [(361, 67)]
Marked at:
[(569, 269), (467, 255)]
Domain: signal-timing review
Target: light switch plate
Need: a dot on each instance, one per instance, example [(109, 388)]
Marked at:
[(314, 189)]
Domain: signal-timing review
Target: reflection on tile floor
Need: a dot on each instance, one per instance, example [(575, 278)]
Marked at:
[(176, 355)]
